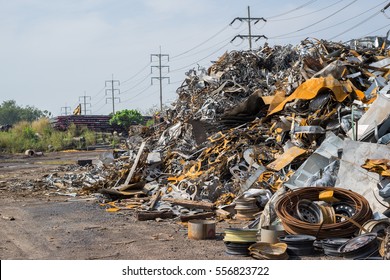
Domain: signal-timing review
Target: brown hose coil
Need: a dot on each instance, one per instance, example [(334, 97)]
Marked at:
[(285, 206)]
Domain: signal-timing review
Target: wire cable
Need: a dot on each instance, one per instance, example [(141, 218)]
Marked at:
[(313, 12), (176, 82), (136, 74), (315, 23), (293, 10), (136, 85), (98, 110), (334, 25), (149, 95), (380, 28), (99, 92), (211, 47), (139, 93), (356, 25), (185, 67), (200, 44), (100, 100)]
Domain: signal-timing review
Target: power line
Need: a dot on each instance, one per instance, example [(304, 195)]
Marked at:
[(211, 47), (176, 82), (356, 25), (136, 74), (200, 44), (317, 22), (100, 100), (249, 21), (334, 25), (99, 92), (142, 91), (112, 90), (137, 84), (210, 54), (293, 10), (151, 94), (159, 67), (307, 14), (186, 67), (98, 110), (380, 28)]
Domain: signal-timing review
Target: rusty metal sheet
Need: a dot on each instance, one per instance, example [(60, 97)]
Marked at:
[(286, 158), (309, 89)]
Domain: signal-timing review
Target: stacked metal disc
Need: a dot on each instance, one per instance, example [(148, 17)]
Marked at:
[(267, 251), (360, 247), (331, 246), (246, 208), (286, 210), (237, 240), (299, 245)]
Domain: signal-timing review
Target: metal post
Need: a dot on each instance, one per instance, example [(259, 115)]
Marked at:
[(112, 92), (160, 76), (249, 20), (112, 81), (249, 28)]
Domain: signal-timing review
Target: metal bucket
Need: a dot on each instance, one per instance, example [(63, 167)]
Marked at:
[(201, 229), (270, 234)]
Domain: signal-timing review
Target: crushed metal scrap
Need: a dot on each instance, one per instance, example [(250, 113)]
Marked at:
[(255, 129)]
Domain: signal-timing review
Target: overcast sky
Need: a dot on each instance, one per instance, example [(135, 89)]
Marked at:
[(52, 51)]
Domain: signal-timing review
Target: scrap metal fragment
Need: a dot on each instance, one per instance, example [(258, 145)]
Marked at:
[(186, 218), (253, 178), (354, 177), (134, 166), (321, 158), (309, 89), (151, 215), (378, 112), (191, 204), (313, 129), (286, 158)]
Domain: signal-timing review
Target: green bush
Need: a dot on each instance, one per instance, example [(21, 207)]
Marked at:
[(126, 118)]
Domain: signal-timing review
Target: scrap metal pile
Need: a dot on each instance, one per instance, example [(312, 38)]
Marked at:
[(272, 131)]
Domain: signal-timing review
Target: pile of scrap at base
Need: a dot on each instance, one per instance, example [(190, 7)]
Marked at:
[(259, 125)]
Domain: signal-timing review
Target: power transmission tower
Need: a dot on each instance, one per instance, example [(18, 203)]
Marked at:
[(113, 90), (249, 19), (65, 108), (159, 67), (85, 103)]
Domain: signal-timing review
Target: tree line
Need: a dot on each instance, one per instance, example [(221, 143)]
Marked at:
[(11, 113)]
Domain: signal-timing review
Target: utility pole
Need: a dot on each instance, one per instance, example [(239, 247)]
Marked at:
[(84, 100), (112, 90), (159, 67), (65, 108), (249, 19)]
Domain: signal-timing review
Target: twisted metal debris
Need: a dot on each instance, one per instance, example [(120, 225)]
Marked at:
[(263, 120)]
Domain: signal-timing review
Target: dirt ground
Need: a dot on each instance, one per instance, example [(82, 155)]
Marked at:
[(36, 226)]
